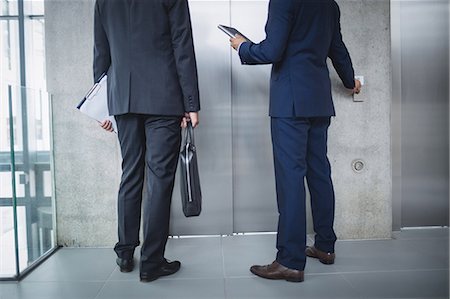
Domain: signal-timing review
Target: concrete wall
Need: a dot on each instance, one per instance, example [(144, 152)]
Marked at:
[(87, 160), (363, 130)]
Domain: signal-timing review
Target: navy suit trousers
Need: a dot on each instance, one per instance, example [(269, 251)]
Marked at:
[(300, 150), (149, 144)]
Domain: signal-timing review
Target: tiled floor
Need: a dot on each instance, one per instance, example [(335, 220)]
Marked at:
[(412, 265)]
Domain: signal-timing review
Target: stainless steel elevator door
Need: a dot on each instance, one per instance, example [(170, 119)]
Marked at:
[(233, 140), (213, 136), (254, 198), (424, 109)]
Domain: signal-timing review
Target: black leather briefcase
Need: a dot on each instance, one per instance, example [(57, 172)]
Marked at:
[(191, 195)]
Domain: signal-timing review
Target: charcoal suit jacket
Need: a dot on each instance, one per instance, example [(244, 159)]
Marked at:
[(146, 49), (300, 36)]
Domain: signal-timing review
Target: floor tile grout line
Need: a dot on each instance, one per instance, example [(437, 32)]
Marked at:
[(345, 273), (223, 257), (104, 284), (351, 285), (168, 279), (385, 271), (416, 239), (100, 290), (223, 269), (392, 239), (61, 281)]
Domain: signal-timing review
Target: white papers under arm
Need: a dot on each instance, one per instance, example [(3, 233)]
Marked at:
[(95, 103)]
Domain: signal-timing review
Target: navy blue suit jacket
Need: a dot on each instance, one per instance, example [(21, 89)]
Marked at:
[(300, 36)]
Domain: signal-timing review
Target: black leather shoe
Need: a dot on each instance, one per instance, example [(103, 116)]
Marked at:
[(125, 265), (167, 268)]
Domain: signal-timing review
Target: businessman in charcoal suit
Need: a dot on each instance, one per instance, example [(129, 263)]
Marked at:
[(146, 49), (300, 35)]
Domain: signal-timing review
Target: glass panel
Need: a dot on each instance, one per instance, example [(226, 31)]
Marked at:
[(47, 184), (17, 122), (7, 238), (34, 181), (35, 52), (7, 248), (33, 7), (31, 121), (8, 7), (11, 92), (5, 182), (4, 123), (35, 223), (10, 52), (20, 177), (22, 238)]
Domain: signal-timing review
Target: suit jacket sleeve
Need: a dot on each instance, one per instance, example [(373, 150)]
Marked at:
[(102, 56), (339, 55), (278, 28), (183, 47)]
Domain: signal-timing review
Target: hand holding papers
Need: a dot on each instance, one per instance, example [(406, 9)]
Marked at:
[(95, 103)]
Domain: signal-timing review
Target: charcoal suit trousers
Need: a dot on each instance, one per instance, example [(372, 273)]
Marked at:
[(149, 144)]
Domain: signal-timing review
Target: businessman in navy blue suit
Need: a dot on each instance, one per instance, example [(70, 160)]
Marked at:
[(300, 36)]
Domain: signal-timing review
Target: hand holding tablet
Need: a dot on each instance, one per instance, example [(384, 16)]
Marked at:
[(232, 32)]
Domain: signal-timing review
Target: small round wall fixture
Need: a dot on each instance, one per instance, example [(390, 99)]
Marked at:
[(358, 165)]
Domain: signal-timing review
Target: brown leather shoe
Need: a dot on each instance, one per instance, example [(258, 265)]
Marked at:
[(277, 271), (326, 258)]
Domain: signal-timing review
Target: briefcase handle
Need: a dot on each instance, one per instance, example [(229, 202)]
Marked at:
[(189, 136)]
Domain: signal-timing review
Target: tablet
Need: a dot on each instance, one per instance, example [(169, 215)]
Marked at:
[(231, 32)]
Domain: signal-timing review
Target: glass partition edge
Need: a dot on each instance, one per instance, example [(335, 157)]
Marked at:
[(52, 171), (13, 179)]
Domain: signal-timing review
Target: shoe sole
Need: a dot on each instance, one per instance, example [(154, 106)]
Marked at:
[(153, 278), (325, 262), (294, 280), (279, 278), (125, 270), (150, 279)]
